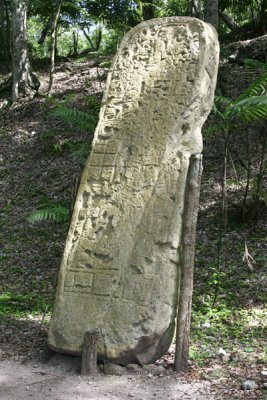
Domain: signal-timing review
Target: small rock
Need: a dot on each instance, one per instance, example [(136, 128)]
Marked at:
[(133, 367), (249, 385), (113, 369), (216, 373), (3, 104), (206, 325), (225, 358), (221, 352), (264, 373), (154, 369)]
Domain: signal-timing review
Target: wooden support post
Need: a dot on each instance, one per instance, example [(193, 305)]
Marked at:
[(187, 262), (89, 354)]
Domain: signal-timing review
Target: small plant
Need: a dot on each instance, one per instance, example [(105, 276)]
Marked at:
[(250, 106), (80, 119), (49, 211)]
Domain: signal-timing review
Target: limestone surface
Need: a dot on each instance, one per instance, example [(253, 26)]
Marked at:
[(120, 269)]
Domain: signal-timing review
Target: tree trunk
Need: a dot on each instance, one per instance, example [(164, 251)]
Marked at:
[(228, 20), (45, 30), (98, 38), (24, 82), (148, 9), (211, 12), (75, 37), (88, 38), (187, 262), (53, 46), (3, 30), (262, 24), (8, 31), (197, 9)]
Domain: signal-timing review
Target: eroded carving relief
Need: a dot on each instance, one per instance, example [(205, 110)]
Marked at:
[(120, 269)]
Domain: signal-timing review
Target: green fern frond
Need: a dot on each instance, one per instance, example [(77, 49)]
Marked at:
[(93, 105), (250, 63), (76, 117), (58, 214), (252, 108), (258, 88)]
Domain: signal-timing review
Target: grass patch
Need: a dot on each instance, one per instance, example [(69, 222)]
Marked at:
[(19, 305)]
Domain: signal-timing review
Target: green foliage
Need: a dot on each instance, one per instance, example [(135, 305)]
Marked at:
[(250, 105), (57, 214), (80, 119), (34, 29), (258, 88), (117, 14), (249, 109), (110, 41), (20, 305), (171, 8), (54, 142), (81, 152), (49, 210)]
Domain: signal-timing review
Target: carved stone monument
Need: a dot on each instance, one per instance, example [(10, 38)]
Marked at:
[(120, 270)]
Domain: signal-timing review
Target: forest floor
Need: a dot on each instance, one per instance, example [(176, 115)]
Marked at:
[(41, 158)]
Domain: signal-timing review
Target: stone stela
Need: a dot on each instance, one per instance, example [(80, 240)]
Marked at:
[(120, 270)]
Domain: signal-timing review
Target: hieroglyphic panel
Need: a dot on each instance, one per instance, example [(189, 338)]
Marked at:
[(120, 267)]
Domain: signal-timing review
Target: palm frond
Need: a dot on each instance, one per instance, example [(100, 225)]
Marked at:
[(58, 214), (249, 109), (258, 88)]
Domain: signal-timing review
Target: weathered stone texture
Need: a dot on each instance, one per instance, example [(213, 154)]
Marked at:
[(120, 269)]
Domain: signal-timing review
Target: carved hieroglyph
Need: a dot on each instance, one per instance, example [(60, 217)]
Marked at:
[(120, 269)]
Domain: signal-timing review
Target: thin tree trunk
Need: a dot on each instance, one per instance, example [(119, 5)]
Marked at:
[(197, 9), (227, 19), (224, 183), (24, 82), (98, 38), (259, 181), (53, 47), (8, 31), (3, 31), (211, 12), (187, 262), (148, 9), (75, 37), (46, 30), (89, 39), (248, 175)]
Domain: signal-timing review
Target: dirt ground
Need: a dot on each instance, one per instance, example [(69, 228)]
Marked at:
[(62, 381)]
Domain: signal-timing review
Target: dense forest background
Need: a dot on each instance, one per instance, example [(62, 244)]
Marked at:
[(54, 59)]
